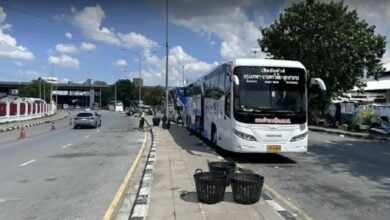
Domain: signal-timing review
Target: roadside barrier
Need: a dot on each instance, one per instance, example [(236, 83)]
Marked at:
[(22, 134)]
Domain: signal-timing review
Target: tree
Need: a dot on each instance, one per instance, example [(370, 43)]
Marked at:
[(330, 40), (32, 90), (153, 95), (125, 91)]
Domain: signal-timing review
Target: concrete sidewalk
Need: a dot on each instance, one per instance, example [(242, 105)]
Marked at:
[(364, 135), (173, 194), (33, 122)]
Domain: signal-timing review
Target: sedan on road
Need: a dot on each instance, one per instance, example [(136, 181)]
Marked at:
[(87, 119)]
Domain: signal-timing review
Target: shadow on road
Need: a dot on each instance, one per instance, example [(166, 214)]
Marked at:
[(191, 143)]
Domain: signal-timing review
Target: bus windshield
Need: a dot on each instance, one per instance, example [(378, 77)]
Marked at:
[(270, 92)]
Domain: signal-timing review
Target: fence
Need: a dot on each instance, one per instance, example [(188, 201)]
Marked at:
[(19, 111)]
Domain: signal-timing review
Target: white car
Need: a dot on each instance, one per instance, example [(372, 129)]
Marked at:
[(87, 119)]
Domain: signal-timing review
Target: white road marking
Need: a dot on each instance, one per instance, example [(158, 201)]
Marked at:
[(2, 200), (26, 163), (87, 136), (330, 142), (349, 144), (275, 205), (68, 145)]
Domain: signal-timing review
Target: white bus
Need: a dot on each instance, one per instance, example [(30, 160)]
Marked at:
[(252, 106), (177, 103), (116, 106)]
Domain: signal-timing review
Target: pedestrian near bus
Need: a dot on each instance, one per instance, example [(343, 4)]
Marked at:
[(141, 121)]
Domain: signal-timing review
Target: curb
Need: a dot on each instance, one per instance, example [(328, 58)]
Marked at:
[(271, 193), (365, 136), (271, 197), (141, 204), (31, 124)]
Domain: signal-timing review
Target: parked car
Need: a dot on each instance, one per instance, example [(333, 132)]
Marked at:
[(87, 119)]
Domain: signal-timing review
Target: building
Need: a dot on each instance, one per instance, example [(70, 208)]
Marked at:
[(138, 82), (378, 87)]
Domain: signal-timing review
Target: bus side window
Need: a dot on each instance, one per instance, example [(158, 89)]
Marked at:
[(227, 104)]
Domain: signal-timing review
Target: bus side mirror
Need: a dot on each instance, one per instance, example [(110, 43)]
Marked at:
[(319, 82), (236, 81)]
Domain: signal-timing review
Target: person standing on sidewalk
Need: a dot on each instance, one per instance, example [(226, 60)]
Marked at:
[(141, 121)]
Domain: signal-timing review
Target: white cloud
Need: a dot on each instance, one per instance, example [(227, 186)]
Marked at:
[(8, 44), (32, 73), (237, 33), (377, 14), (64, 80), (87, 46), (68, 35), (6, 26), (3, 15), (154, 73), (135, 40), (121, 63), (64, 61), (90, 21), (66, 48)]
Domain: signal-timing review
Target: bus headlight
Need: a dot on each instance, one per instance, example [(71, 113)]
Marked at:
[(244, 136), (298, 137)]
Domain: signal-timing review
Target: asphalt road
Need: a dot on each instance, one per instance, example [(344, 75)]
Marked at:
[(339, 177), (66, 173)]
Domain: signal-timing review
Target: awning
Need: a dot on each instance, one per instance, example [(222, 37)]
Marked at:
[(380, 84)]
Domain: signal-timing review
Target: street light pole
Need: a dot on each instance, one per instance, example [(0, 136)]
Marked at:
[(115, 96), (139, 73), (166, 61), (184, 82), (40, 93), (139, 76)]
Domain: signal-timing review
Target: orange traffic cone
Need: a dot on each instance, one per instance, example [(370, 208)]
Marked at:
[(22, 133), (53, 126)]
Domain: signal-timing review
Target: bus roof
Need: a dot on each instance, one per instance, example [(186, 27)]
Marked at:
[(267, 62), (255, 62)]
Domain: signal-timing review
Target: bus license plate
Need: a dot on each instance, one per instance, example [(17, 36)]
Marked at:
[(273, 148)]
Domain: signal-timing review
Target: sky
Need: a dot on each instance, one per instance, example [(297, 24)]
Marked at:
[(74, 40)]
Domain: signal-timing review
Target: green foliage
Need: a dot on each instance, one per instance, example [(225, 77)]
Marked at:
[(364, 116), (153, 95), (329, 39), (33, 90), (125, 91)]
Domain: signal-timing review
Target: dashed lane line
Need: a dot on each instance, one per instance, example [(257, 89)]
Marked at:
[(87, 136), (65, 146), (27, 163)]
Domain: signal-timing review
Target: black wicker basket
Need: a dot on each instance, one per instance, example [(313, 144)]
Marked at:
[(210, 187), (246, 187), (224, 168)]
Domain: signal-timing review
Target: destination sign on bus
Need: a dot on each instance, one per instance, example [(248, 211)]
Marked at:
[(272, 76)]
